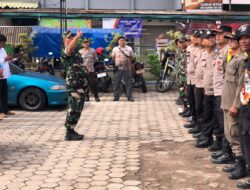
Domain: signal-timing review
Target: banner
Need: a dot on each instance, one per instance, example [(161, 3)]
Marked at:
[(132, 27), (203, 5), (71, 23)]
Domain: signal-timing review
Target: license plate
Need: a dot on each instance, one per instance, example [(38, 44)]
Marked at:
[(100, 75)]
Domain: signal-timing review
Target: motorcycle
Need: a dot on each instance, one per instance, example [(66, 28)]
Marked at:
[(103, 78), (138, 79), (167, 73), (44, 66)]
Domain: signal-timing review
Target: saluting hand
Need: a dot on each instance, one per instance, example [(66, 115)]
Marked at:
[(79, 34)]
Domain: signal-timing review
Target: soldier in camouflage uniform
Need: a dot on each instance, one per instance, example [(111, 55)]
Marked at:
[(76, 84), (180, 59)]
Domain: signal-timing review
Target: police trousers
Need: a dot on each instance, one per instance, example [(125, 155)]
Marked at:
[(191, 100), (199, 97), (3, 96), (92, 83), (245, 133), (123, 78), (231, 130), (74, 108)]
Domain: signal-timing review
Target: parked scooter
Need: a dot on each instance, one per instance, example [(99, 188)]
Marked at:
[(44, 66), (103, 78), (138, 79), (167, 74), (17, 60)]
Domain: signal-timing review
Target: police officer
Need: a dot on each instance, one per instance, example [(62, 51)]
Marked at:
[(205, 138), (233, 82), (245, 108), (123, 56), (89, 58), (76, 84)]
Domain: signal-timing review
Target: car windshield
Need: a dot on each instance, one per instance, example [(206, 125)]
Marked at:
[(15, 69)]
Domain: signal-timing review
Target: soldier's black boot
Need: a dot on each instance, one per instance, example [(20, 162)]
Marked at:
[(223, 159), (217, 145), (229, 168), (217, 154), (244, 185), (195, 129), (87, 98), (240, 170), (97, 99), (71, 135)]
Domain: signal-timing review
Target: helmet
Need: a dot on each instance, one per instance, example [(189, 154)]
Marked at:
[(99, 51), (244, 30)]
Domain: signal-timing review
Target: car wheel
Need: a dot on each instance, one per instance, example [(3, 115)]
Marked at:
[(32, 99)]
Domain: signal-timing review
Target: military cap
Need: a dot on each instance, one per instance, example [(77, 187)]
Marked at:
[(85, 40), (182, 39), (223, 28), (244, 30), (67, 34), (233, 36)]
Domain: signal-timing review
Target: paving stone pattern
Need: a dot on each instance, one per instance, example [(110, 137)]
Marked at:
[(35, 156)]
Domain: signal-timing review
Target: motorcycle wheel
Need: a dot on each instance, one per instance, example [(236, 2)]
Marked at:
[(143, 85), (163, 85)]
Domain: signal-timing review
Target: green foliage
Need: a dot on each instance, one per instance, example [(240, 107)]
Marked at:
[(154, 64), (26, 47), (113, 42)]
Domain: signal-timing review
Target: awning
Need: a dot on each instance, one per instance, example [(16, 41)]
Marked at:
[(16, 4)]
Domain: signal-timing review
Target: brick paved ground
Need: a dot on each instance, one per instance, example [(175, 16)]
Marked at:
[(34, 155)]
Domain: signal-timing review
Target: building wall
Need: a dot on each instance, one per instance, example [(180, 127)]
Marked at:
[(116, 4)]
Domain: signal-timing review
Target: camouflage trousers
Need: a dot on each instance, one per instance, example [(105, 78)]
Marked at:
[(182, 85), (74, 109)]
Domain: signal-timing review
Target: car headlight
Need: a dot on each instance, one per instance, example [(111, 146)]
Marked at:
[(58, 87)]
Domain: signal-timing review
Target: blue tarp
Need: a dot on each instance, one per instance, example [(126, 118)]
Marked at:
[(49, 39)]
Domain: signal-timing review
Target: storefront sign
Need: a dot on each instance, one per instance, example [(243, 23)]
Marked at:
[(203, 5), (132, 27), (71, 23)]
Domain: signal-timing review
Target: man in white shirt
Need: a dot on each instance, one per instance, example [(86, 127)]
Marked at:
[(123, 55), (4, 58)]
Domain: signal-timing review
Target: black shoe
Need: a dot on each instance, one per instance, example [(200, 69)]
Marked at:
[(97, 99), (189, 125), (184, 111), (116, 99), (206, 142), (86, 98), (217, 145), (187, 114), (229, 168), (244, 185), (217, 154), (240, 170), (131, 100), (179, 101), (194, 130), (197, 135), (71, 135), (223, 159)]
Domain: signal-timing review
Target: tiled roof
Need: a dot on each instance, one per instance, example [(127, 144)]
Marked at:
[(12, 32), (27, 4)]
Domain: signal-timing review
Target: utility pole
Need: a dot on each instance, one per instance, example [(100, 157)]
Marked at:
[(230, 5)]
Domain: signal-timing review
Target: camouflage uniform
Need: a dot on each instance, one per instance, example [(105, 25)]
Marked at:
[(76, 84), (181, 72)]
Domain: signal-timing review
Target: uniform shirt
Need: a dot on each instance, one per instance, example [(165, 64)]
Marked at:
[(233, 83), (5, 64), (199, 70), (192, 56), (89, 58), (122, 61), (208, 74), (218, 77)]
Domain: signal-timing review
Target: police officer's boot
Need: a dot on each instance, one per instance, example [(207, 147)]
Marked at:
[(240, 170), (229, 168), (72, 135), (246, 184), (97, 99), (87, 97), (217, 145)]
